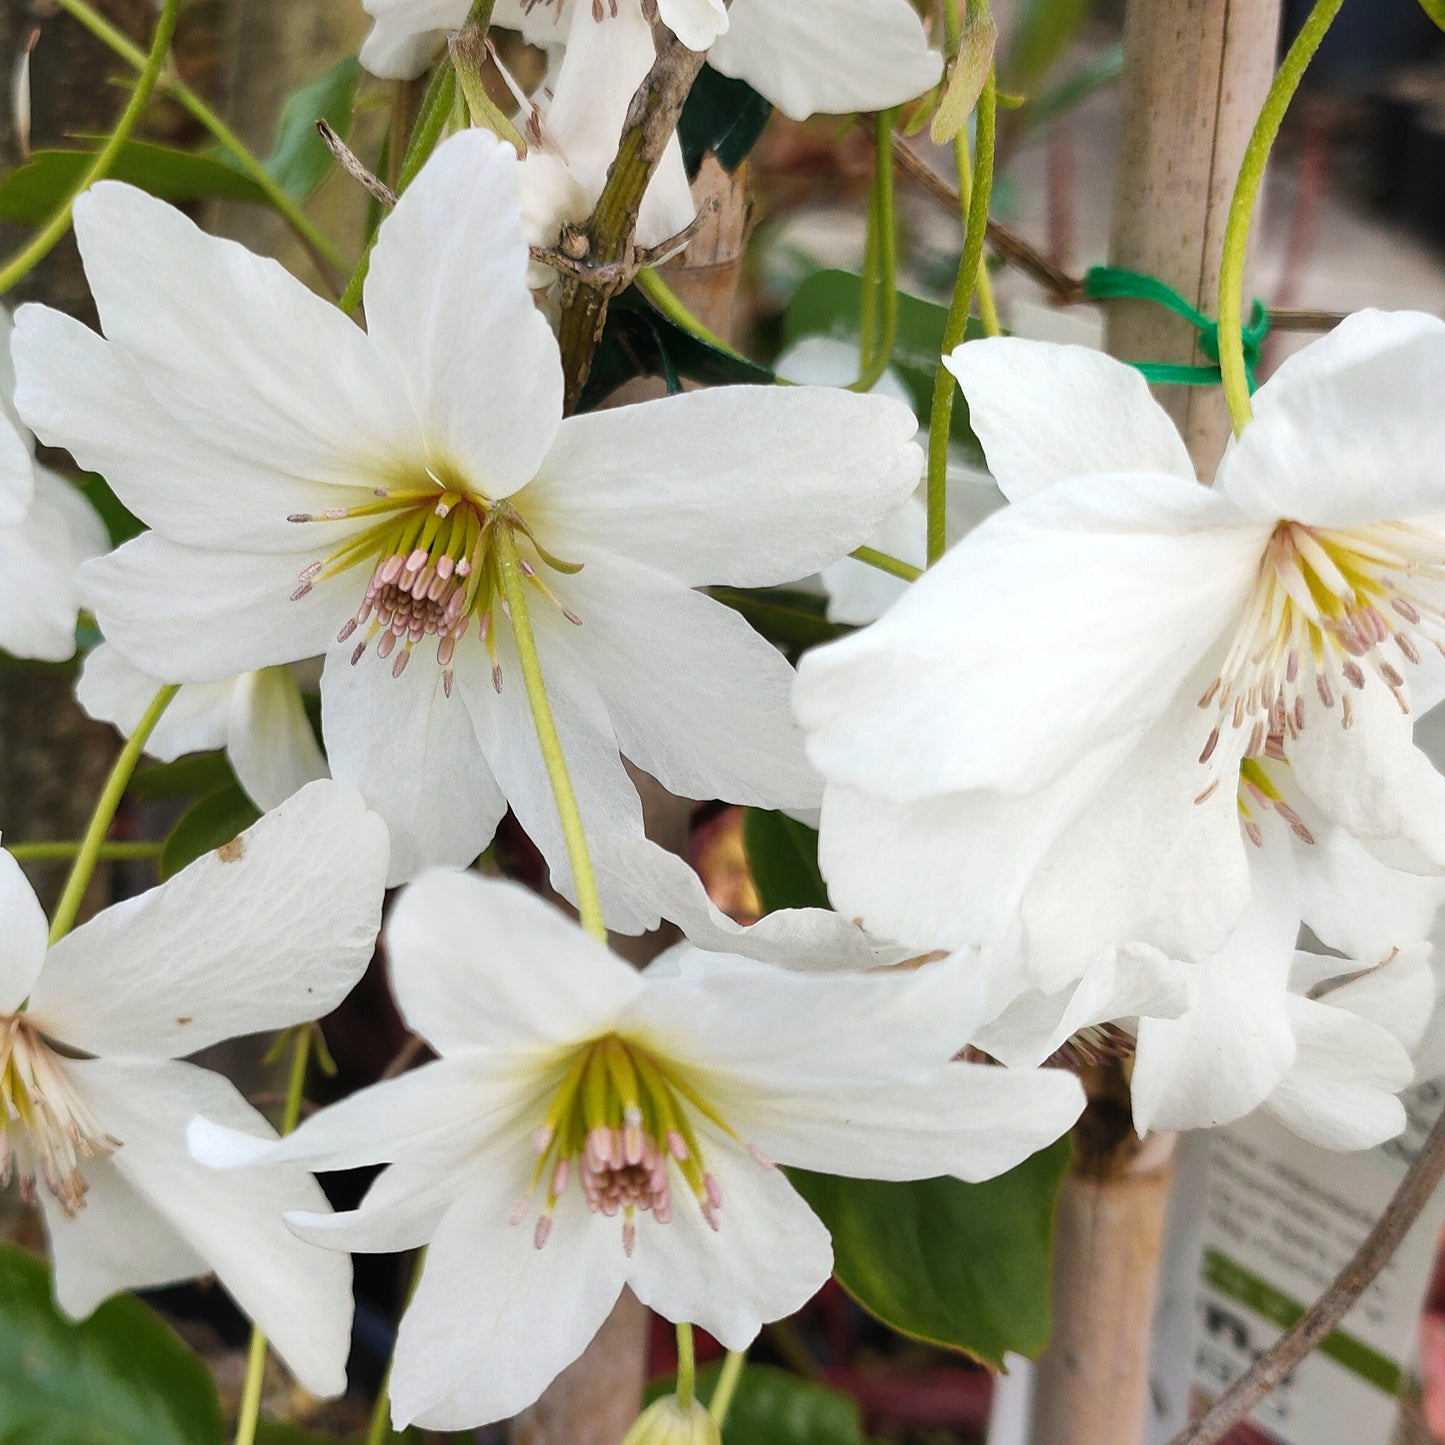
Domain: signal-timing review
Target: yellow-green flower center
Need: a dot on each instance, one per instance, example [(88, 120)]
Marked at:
[(45, 1129), (434, 563), (623, 1121)]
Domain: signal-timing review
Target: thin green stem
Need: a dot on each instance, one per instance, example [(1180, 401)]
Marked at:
[(686, 1367), (589, 903), (963, 169), (107, 852), (468, 51), (880, 288), (667, 301), (727, 1384), (249, 1415), (940, 416), (44, 241), (104, 815), (1241, 208), (321, 248), (894, 566)]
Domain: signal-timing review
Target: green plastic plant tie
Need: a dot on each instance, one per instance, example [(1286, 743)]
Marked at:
[(1107, 283)]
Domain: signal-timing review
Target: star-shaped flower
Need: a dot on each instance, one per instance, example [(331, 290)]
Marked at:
[(272, 931), (587, 1128), (315, 488)]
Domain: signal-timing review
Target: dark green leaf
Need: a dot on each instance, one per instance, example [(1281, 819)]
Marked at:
[(210, 823), (1042, 33), (200, 774), (827, 304), (783, 859), (300, 161), (961, 1265), (1435, 9), (638, 341), (721, 115), (793, 620), (772, 1407), (120, 1378), (33, 192)]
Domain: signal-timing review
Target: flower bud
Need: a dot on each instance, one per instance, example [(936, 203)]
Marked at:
[(666, 1422)]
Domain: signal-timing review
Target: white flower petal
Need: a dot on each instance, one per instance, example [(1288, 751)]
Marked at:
[(86, 394), (200, 616), (406, 34), (1397, 996), (769, 1256), (1045, 413), (740, 484), (447, 302), (1352, 434), (1058, 624), (859, 593), (269, 737), (1228, 1052), (487, 1294), (1341, 1091), (833, 56), (195, 960), (477, 962), (115, 691), (697, 23), (695, 696), (300, 1297), (22, 941)]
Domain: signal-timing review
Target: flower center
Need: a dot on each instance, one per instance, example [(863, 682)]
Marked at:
[(621, 1120), (434, 567), (1327, 604), (45, 1129)]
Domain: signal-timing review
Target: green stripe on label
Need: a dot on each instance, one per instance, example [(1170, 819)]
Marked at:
[(1232, 1279)]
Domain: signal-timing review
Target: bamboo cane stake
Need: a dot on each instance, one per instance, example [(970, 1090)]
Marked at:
[(1196, 73)]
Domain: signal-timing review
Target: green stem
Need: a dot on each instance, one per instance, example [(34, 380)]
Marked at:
[(468, 51), (686, 1367), (250, 1412), (894, 566), (321, 248), (589, 904), (727, 1384), (1241, 208), (44, 241), (104, 815), (955, 328), (107, 852), (880, 288), (666, 300)]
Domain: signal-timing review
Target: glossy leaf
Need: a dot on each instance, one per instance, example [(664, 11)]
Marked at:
[(195, 775), (34, 191), (119, 1378), (300, 161), (772, 1407), (965, 83), (783, 859), (965, 1266), (211, 823), (721, 115)]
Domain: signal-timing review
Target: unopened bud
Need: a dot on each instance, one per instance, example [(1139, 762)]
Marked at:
[(667, 1423)]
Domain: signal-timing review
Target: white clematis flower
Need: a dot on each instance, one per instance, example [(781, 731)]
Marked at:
[(804, 56), (363, 488), (272, 931), (259, 718), (1066, 736), (587, 1128), (47, 529)]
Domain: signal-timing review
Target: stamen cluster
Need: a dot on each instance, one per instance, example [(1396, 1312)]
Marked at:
[(45, 1129)]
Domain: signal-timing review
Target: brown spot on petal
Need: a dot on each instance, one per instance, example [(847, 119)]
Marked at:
[(231, 852)]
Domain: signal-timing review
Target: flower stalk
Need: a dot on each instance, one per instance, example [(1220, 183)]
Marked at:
[(878, 316)]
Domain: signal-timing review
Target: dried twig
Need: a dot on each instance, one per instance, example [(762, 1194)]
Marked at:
[(348, 160), (1275, 1365)]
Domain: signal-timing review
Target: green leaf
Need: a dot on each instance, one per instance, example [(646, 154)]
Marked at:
[(772, 1407), (783, 859), (721, 115), (794, 621), (961, 1265), (119, 1378), (300, 161), (828, 304), (1435, 9), (32, 192), (965, 84), (211, 823), (1042, 33), (191, 776)]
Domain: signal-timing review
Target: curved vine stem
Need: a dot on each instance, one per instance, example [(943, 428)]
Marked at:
[(105, 809), (45, 240), (726, 1388), (1241, 208)]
